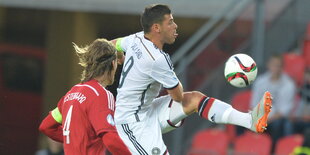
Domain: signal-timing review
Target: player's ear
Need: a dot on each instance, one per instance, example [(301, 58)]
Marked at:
[(114, 63), (156, 27)]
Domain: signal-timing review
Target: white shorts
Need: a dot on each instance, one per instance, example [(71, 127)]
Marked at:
[(145, 137)]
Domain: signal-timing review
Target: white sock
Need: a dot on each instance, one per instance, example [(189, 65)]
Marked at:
[(221, 112)]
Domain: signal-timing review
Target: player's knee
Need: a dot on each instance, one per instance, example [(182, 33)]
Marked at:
[(193, 96), (191, 101), (197, 95)]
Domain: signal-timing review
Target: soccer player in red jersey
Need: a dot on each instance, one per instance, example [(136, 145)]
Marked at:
[(83, 119)]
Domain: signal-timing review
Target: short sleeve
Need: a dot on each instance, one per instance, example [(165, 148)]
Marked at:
[(99, 114), (123, 43), (162, 71), (120, 44)]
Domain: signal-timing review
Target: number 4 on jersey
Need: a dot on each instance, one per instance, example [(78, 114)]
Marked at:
[(66, 128)]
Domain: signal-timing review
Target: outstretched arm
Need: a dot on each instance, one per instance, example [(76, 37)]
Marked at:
[(114, 144), (51, 125)]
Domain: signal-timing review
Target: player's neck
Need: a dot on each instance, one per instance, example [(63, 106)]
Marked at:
[(154, 39), (102, 81)]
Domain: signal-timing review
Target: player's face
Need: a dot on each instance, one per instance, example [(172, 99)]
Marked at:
[(275, 66), (168, 29)]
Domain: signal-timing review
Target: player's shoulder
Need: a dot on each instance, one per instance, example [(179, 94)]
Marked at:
[(151, 49), (163, 59), (91, 87), (133, 36), (145, 43), (162, 55), (95, 91)]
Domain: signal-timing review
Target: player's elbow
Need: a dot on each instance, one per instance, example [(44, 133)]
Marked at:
[(42, 128), (176, 93), (48, 124)]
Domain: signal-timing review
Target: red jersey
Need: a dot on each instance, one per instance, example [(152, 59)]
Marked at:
[(87, 112)]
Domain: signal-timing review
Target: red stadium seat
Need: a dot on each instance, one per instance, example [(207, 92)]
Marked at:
[(286, 145), (209, 142), (294, 66), (307, 35), (251, 143), (306, 51), (241, 102)]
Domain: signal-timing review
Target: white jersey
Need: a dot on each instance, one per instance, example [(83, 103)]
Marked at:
[(146, 69)]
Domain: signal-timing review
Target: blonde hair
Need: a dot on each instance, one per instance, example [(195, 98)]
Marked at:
[(96, 58)]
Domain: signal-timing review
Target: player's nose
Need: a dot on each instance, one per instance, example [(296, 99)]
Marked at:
[(176, 26)]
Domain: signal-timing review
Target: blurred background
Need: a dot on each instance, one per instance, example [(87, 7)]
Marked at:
[(38, 65)]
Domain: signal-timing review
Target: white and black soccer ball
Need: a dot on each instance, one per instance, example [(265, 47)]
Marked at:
[(240, 70)]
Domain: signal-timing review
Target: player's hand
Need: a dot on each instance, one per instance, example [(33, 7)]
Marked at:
[(120, 58)]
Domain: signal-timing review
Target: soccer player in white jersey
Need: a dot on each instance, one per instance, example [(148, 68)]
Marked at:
[(140, 117)]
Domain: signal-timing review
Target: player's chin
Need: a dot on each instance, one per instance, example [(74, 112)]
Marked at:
[(171, 41)]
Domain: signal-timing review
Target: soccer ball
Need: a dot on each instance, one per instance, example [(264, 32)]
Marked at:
[(240, 70)]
